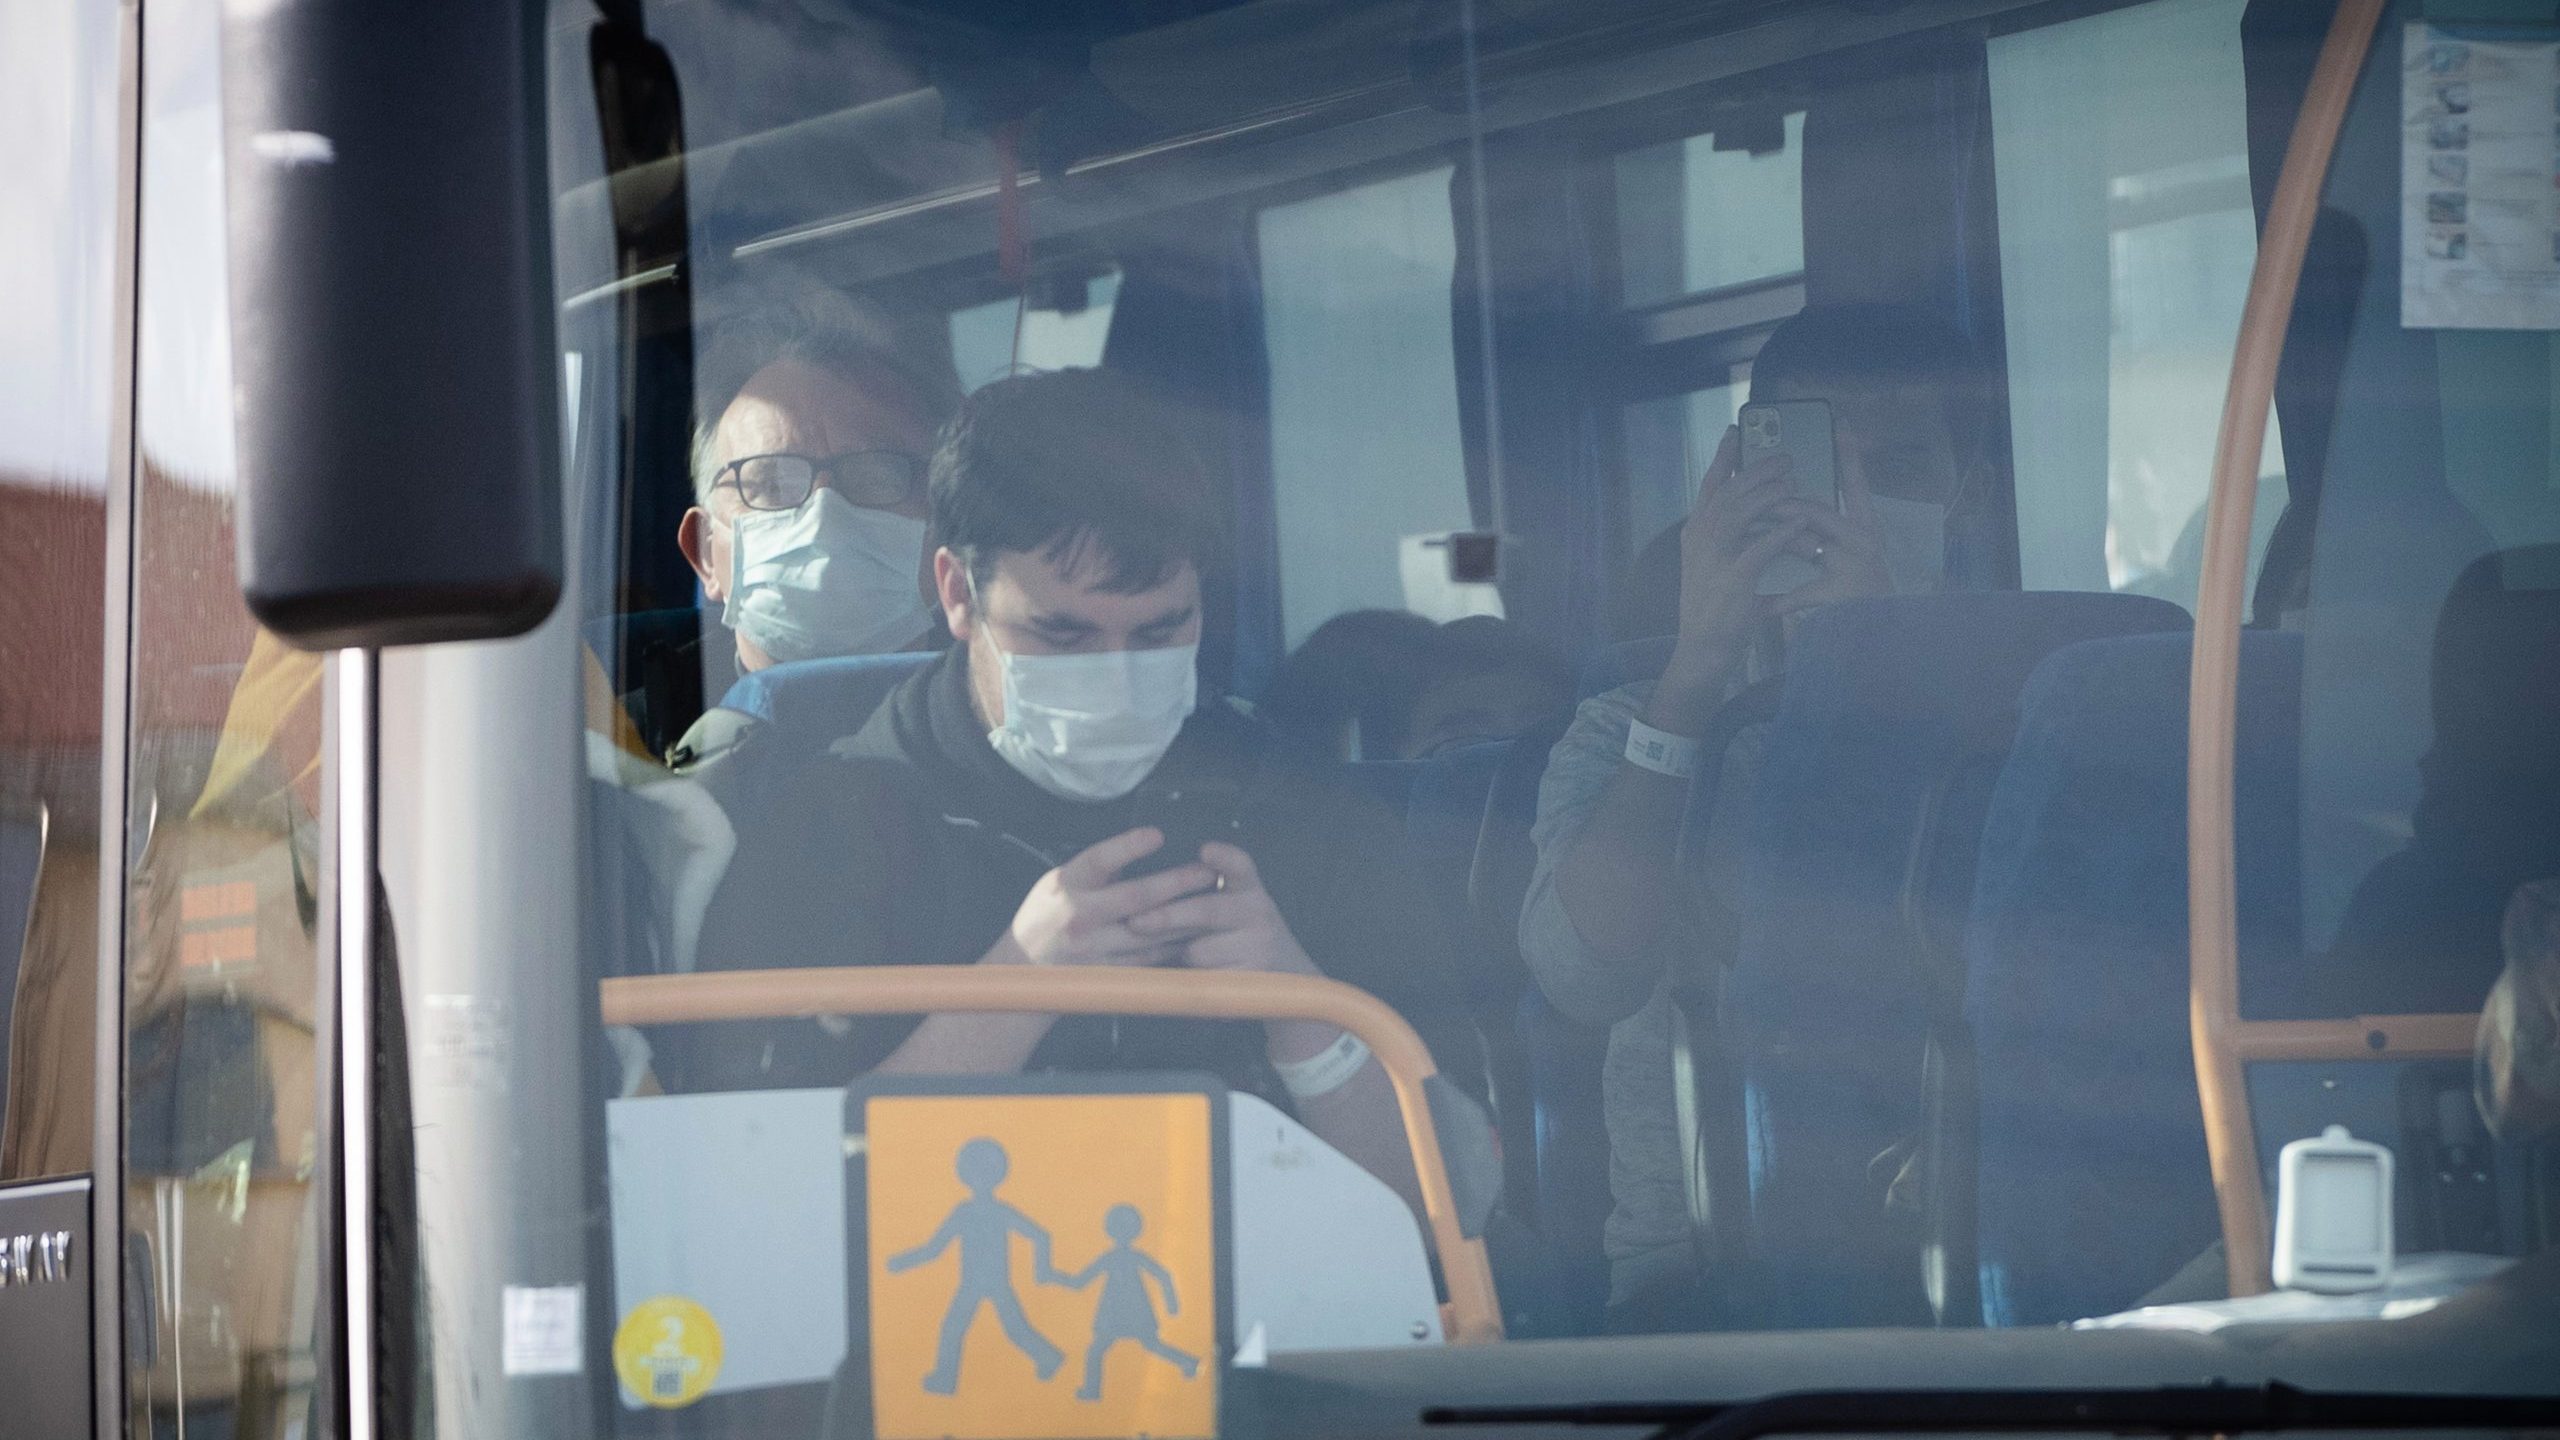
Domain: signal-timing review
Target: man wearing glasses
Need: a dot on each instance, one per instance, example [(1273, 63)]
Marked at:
[(808, 523)]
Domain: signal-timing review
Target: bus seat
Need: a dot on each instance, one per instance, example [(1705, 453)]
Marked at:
[(834, 695), (655, 659), (2079, 949), (1445, 819), (1557, 1161), (1625, 663), (1887, 704), (2093, 1185), (1389, 782), (1440, 804), (1567, 1167), (1444, 803), (1549, 1285)]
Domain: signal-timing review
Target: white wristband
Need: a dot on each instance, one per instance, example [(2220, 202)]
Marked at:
[(1325, 1071), (1660, 751)]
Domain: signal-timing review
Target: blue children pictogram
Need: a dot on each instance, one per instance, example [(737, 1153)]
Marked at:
[(1126, 1311), (985, 1226)]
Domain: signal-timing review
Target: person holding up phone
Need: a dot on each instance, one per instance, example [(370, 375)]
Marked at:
[(1835, 486)]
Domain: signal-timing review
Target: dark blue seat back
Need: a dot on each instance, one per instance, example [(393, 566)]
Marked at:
[(1441, 802), (1625, 663), (813, 703), (2092, 1180), (1563, 1058), (1886, 703), (1456, 805)]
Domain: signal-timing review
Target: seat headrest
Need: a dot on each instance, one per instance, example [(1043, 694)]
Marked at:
[(839, 692), (1954, 659)]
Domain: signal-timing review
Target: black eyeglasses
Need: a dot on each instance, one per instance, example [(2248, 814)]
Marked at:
[(877, 478)]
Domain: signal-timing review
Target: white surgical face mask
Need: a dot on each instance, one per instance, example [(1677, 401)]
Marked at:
[(830, 578), (1915, 544), (1090, 727)]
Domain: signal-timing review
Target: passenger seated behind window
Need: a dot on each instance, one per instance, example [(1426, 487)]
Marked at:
[(1391, 685), (1496, 682), (990, 811), (1607, 922), (807, 530)]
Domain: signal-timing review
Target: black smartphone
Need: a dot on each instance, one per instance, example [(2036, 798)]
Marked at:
[(1190, 816)]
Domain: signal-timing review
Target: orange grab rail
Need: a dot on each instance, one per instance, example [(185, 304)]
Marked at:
[(2225, 1044), (1475, 1314)]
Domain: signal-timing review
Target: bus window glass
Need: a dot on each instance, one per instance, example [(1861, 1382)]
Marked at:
[(57, 357), (1660, 542), (991, 339), (1671, 440), (2127, 244), (1365, 455), (223, 1080), (1709, 212)]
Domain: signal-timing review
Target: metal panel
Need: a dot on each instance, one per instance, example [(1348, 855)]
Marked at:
[(44, 1310), (107, 1138)]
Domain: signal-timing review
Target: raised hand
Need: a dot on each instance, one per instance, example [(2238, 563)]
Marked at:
[(1743, 519), (1846, 546)]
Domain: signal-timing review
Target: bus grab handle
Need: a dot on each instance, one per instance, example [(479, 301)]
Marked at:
[(1475, 1314)]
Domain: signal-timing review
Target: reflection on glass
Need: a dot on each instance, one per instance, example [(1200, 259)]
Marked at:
[(1061, 332), (223, 1075), (1364, 391), (1669, 442), (1825, 946), (57, 242), (2125, 214)]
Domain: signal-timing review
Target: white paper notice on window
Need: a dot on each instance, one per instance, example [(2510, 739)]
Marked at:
[(543, 1330), (2480, 179)]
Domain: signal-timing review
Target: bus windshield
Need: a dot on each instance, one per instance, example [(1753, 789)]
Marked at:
[(1258, 685)]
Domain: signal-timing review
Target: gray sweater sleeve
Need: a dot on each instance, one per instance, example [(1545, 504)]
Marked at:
[(1595, 988)]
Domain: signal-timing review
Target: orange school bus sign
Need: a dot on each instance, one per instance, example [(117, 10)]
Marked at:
[(1043, 1260)]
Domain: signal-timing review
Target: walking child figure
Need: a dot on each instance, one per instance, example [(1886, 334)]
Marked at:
[(1126, 1311), (985, 1226)]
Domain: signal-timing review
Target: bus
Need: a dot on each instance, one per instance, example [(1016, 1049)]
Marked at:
[(1171, 719)]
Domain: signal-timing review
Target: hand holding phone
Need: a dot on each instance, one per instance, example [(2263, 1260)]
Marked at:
[(1801, 431)]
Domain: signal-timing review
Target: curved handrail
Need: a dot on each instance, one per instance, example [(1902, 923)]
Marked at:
[(2222, 1040), (1475, 1314)]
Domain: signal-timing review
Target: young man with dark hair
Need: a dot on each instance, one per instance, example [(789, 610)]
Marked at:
[(991, 811)]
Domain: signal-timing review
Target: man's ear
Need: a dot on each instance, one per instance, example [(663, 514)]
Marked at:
[(705, 550), (951, 588)]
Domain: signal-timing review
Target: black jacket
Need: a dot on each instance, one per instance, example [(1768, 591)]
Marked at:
[(912, 842)]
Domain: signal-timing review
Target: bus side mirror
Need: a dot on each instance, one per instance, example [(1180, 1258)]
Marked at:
[(395, 373)]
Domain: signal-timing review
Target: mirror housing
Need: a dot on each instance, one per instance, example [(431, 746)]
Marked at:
[(396, 375)]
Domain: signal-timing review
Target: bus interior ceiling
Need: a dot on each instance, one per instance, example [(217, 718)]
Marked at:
[(1218, 118)]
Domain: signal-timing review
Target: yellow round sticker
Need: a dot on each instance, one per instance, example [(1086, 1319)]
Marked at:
[(667, 1351)]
